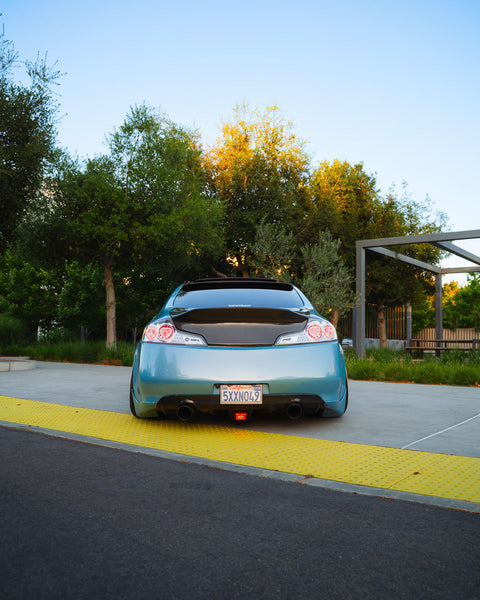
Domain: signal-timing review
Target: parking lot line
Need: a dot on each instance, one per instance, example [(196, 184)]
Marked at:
[(424, 473), (440, 432)]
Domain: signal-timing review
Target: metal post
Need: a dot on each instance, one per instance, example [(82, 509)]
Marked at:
[(438, 309), (359, 331), (408, 324)]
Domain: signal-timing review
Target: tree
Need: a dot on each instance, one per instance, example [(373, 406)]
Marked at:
[(326, 279), (258, 169), (176, 226), (392, 282), (344, 199), (273, 252), (461, 306), (462, 309), (27, 293), (27, 135), (140, 206), (82, 216), (317, 268), (79, 299)]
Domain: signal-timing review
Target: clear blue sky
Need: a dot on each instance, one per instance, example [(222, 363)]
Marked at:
[(393, 84)]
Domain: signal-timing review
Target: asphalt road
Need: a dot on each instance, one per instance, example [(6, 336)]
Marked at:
[(85, 521), (81, 520)]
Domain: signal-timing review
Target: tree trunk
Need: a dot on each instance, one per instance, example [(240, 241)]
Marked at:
[(334, 318), (110, 303), (381, 326), (244, 271)]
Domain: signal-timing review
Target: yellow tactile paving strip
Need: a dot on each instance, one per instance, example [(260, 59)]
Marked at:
[(426, 473)]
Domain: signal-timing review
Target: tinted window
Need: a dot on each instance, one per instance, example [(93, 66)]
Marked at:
[(261, 298)]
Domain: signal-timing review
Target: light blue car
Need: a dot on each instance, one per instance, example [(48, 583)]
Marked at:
[(238, 346)]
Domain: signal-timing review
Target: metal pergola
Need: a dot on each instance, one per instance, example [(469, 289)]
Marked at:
[(441, 240)]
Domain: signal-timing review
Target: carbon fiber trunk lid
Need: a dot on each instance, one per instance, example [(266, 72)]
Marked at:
[(240, 326)]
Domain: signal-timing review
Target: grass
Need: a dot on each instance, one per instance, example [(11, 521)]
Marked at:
[(452, 368), (75, 352)]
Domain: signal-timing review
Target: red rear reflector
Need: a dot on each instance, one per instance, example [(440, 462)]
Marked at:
[(241, 416)]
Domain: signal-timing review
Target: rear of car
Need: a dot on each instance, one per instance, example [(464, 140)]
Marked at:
[(238, 345)]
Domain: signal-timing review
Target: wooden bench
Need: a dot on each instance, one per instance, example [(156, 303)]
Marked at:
[(418, 347)]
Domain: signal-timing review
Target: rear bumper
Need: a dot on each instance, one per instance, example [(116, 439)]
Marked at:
[(271, 403), (165, 376)]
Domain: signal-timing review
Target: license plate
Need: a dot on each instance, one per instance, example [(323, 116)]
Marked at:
[(241, 394)]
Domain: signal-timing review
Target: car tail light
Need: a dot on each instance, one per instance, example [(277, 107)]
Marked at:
[(329, 332), (150, 333), (315, 331), (165, 332)]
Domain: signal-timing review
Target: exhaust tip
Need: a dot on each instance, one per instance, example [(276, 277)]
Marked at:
[(185, 412), (294, 411)]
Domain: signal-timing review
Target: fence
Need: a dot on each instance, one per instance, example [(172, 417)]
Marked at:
[(395, 320), (462, 333)]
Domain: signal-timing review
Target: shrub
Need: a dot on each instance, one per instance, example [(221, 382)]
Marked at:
[(121, 355), (12, 331), (55, 336), (452, 368)]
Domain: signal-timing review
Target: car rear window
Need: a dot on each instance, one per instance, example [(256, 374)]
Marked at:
[(282, 296)]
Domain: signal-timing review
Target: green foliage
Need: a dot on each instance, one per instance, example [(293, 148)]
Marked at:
[(75, 352), (26, 292), (316, 268), (12, 330), (326, 280), (172, 221), (157, 210), (343, 199), (139, 296), (141, 208), (273, 252), (80, 300), (385, 355), (122, 355), (463, 308), (27, 135), (452, 368), (423, 313), (391, 281), (258, 169), (55, 335)]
